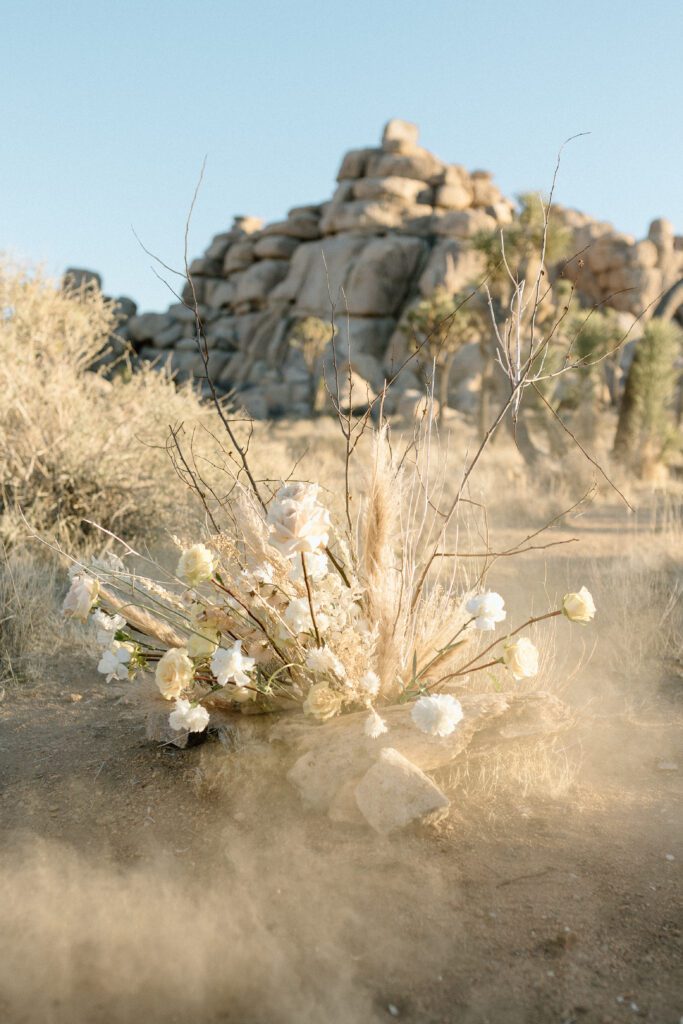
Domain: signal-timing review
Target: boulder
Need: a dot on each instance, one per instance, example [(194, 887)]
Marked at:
[(394, 792), (302, 226), (219, 246), (169, 336), (223, 294), (203, 267), (317, 273), (453, 265), (354, 163), (148, 326), (377, 216), (462, 223), (363, 336), (258, 280), (275, 247), (75, 278), (382, 275), (453, 197), (239, 256), (418, 164), (400, 136), (408, 190)]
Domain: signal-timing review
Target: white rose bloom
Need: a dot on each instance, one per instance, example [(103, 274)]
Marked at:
[(106, 626), (174, 672), (521, 658), (196, 564), (297, 522), (203, 643), (487, 609), (298, 616), (194, 718), (232, 666), (437, 714), (579, 607), (369, 684), (81, 597), (322, 703), (375, 726), (114, 663), (322, 660)]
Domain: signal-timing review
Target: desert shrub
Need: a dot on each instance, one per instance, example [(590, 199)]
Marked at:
[(311, 336), (645, 430), (523, 241), (77, 445)]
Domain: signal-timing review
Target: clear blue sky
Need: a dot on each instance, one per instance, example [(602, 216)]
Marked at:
[(108, 108)]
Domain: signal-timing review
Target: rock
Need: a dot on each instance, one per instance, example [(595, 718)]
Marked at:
[(381, 275), (453, 265), (275, 247), (413, 405), (303, 226), (394, 792), (239, 256), (169, 336), (223, 294), (485, 192), (400, 136), (204, 267), (418, 164), (376, 216), (125, 308), (258, 280), (462, 223), (453, 197), (363, 336), (219, 246), (354, 163), (317, 273), (148, 326), (409, 190), (246, 225), (77, 277)]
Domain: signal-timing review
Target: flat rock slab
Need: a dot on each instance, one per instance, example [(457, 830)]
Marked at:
[(394, 792)]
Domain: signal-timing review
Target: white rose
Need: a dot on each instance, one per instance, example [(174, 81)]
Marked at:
[(81, 597), (196, 564), (106, 626), (298, 616), (521, 658), (579, 607), (203, 642), (487, 610), (437, 714), (192, 717), (174, 672), (232, 666), (298, 523), (322, 703)]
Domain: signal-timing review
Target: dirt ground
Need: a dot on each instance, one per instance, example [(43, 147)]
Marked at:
[(139, 885)]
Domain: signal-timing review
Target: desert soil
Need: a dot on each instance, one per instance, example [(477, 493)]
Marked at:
[(151, 884)]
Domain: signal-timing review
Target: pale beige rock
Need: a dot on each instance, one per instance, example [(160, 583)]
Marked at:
[(400, 136), (419, 164), (410, 190), (354, 163), (275, 247), (247, 225), (317, 272), (363, 336), (379, 280), (375, 216), (239, 256), (453, 197), (462, 223), (394, 792), (258, 280), (302, 226), (452, 264)]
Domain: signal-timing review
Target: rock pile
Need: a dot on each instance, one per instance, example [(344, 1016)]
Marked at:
[(399, 224)]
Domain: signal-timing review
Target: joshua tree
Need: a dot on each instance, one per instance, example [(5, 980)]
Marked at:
[(440, 326), (594, 337), (645, 428), (311, 336)]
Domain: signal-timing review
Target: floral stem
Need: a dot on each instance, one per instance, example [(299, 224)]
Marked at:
[(310, 599)]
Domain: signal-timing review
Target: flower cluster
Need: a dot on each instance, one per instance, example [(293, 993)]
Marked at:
[(278, 617)]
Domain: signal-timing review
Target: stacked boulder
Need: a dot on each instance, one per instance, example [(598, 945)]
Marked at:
[(399, 225)]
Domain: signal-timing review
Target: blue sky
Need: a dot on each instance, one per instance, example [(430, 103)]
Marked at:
[(107, 110)]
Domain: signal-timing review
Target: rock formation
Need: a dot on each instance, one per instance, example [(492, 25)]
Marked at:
[(399, 224)]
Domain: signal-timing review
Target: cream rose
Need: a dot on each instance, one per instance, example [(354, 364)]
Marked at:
[(81, 597), (298, 523), (579, 607), (322, 703), (196, 564), (203, 642), (521, 658), (174, 672)]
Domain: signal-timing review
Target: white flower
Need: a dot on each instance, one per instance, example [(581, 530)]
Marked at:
[(232, 666), (298, 616), (322, 660), (196, 564), (579, 607), (369, 683), (174, 672), (322, 703), (114, 663), (194, 718), (202, 642), (437, 714), (106, 626), (81, 597), (317, 566), (263, 573), (487, 609), (298, 522), (521, 658), (108, 562), (375, 726)]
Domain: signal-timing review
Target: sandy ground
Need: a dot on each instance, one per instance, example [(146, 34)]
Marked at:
[(132, 890)]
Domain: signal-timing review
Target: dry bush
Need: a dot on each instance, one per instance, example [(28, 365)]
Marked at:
[(76, 444)]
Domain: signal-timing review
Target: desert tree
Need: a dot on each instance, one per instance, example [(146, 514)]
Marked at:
[(311, 336)]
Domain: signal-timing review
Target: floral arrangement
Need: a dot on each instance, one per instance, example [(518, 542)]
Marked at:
[(282, 614)]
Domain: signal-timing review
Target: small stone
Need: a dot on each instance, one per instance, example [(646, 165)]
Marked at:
[(393, 1010), (75, 697), (670, 856), (395, 792)]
